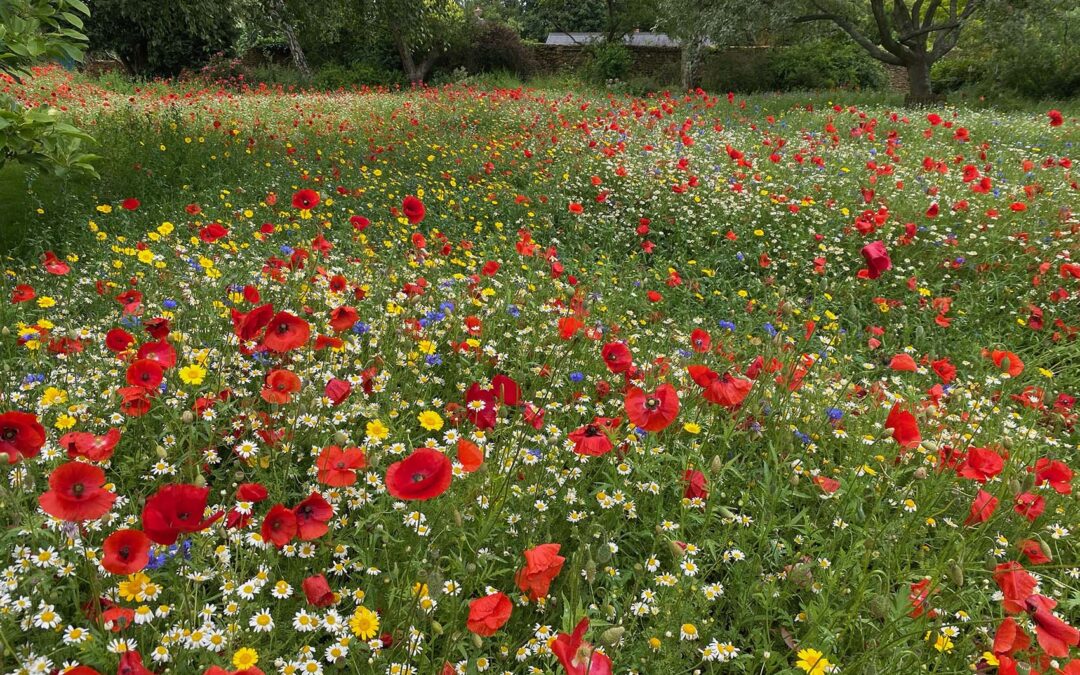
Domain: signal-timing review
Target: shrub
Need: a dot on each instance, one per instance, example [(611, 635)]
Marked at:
[(824, 64), (497, 46), (356, 75), (608, 61)]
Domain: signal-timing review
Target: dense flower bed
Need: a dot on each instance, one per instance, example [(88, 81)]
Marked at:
[(461, 381)]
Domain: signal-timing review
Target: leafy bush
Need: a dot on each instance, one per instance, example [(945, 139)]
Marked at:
[(358, 74), (496, 46), (825, 64), (608, 61)]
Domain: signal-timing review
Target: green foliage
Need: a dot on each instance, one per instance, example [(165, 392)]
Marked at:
[(824, 64), (608, 61), (32, 31), (359, 74), (496, 46), (163, 39)]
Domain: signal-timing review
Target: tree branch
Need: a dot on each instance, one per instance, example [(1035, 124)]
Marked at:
[(849, 28), (885, 32)]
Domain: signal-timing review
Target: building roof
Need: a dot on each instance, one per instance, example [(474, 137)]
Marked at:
[(636, 39)]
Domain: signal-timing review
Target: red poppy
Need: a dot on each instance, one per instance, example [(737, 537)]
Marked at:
[(981, 508), (700, 340), (424, 474), (488, 614), (337, 390), (1056, 118), (286, 332), (1029, 505), (944, 369), (21, 435), (469, 454), (130, 204), (134, 401), (413, 209), (695, 485), (480, 407), (118, 340), (126, 551), (904, 427), (980, 464), (1054, 635), (54, 265), (91, 447), (359, 223), (305, 199), (76, 493), (145, 373), (569, 326), (592, 439), (343, 318), (22, 293), (160, 352), (312, 516), (617, 357), (337, 467), (903, 363), (1006, 361), (506, 390), (317, 590), (1015, 584), (727, 391), (1057, 474), (175, 509), (652, 412), (280, 386), (542, 564), (877, 259), (117, 619), (1034, 552), (827, 485), (1010, 638), (212, 233), (248, 325), (578, 656), (279, 526), (131, 664)]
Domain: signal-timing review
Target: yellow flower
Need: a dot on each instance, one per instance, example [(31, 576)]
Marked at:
[(376, 430), (192, 374), (104, 208), (943, 643), (692, 428), (364, 623), (53, 395), (430, 420), (146, 256), (245, 658), (45, 302), (813, 662), (134, 587), (65, 422)]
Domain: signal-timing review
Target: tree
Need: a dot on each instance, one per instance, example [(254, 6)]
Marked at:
[(32, 31), (163, 38), (284, 20), (421, 30), (914, 36)]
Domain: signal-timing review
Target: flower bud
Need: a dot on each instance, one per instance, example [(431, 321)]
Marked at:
[(188, 417), (956, 574), (200, 481), (340, 438), (161, 452), (920, 473), (477, 641), (612, 636)]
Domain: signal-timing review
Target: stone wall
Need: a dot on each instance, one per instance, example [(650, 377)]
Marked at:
[(730, 69)]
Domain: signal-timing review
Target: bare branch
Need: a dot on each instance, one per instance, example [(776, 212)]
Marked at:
[(875, 51), (901, 52)]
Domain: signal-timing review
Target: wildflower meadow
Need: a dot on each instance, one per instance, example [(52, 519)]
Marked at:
[(464, 379)]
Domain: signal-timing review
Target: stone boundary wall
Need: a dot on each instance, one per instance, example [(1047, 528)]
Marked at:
[(735, 68)]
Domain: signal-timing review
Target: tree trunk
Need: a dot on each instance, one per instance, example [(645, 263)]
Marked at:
[(920, 90), (691, 62), (297, 52)]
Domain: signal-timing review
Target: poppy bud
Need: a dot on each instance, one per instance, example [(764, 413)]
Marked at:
[(956, 574), (1045, 548), (458, 520), (5, 331), (1029, 482), (717, 464), (470, 568), (1007, 442), (677, 551), (920, 332), (161, 452), (436, 628), (931, 446), (199, 481), (341, 438), (1016, 487), (603, 553), (590, 571), (725, 512), (879, 607), (4, 458), (920, 473), (187, 417), (612, 636), (793, 480), (477, 641)]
